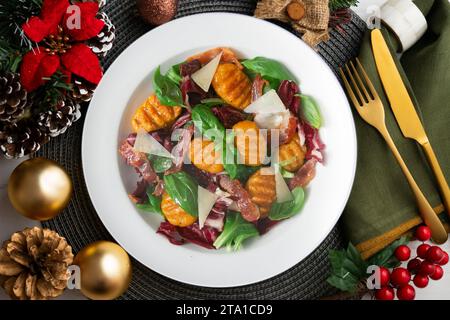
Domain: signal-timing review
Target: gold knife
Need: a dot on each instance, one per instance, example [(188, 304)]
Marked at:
[(404, 110)]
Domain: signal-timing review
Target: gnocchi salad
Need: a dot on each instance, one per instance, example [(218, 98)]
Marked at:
[(224, 148)]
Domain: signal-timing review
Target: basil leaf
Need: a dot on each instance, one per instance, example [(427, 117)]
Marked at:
[(183, 189), (207, 123), (284, 210), (174, 73), (235, 231), (166, 90), (311, 112), (269, 69), (160, 164), (153, 203)]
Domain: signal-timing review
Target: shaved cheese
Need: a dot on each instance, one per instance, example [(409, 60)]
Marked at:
[(147, 144), (233, 206), (283, 192), (272, 120), (206, 201), (204, 76), (268, 103)]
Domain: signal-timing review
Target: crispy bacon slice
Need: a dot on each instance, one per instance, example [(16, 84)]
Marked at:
[(288, 131), (139, 161), (249, 210), (304, 175), (258, 87), (181, 149), (227, 56)]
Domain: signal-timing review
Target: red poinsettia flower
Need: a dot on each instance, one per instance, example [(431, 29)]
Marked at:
[(60, 31)]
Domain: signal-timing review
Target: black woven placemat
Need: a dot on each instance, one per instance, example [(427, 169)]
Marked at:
[(80, 224)]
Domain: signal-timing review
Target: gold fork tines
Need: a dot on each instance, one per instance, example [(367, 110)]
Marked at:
[(367, 102)]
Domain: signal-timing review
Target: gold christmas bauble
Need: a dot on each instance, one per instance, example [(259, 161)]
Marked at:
[(105, 270), (39, 189)]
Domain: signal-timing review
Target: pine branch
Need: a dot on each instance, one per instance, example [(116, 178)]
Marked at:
[(13, 14), (342, 4), (52, 92)]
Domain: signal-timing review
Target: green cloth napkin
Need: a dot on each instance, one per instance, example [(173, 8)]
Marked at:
[(382, 207)]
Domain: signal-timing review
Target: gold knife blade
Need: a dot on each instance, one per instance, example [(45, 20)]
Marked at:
[(396, 91), (403, 108)]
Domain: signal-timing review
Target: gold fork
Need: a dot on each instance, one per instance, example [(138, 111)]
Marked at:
[(370, 108)]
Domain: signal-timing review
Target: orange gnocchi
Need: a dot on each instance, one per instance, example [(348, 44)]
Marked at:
[(203, 155), (250, 143), (174, 214), (262, 191), (152, 115), (232, 85), (292, 154)]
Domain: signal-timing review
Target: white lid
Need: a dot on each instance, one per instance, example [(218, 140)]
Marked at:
[(406, 21)]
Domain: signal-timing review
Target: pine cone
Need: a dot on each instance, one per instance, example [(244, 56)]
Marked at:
[(83, 90), (20, 139), (13, 97), (33, 264), (56, 121), (101, 44)]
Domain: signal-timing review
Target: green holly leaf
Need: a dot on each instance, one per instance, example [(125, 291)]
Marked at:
[(348, 268), (386, 258)]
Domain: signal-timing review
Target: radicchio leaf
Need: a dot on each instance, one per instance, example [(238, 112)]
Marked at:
[(288, 92), (139, 195), (188, 68), (179, 235), (192, 94), (265, 224), (313, 143), (229, 116), (204, 179)]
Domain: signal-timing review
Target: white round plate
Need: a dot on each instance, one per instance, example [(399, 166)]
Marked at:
[(127, 83)]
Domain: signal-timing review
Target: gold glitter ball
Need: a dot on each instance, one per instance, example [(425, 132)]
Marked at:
[(157, 12)]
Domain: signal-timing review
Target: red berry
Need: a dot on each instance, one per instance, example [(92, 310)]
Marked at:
[(444, 259), (427, 268), (420, 281), (384, 276), (385, 293), (402, 253), (438, 273), (423, 233), (435, 254), (406, 292), (400, 277), (422, 250), (414, 265)]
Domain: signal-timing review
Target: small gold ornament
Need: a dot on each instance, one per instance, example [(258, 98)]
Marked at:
[(105, 270), (39, 189)]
